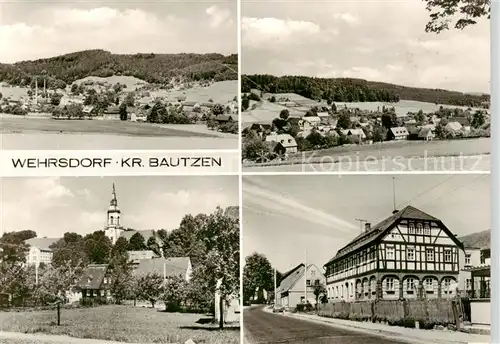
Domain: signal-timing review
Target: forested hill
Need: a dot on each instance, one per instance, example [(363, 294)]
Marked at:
[(357, 90), (153, 68)]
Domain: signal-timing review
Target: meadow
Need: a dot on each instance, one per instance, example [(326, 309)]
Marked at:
[(120, 323)]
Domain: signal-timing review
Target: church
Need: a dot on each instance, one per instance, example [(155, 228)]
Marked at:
[(114, 228)]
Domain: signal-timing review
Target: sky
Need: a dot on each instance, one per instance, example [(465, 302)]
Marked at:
[(286, 216), (31, 30), (374, 40), (53, 206)]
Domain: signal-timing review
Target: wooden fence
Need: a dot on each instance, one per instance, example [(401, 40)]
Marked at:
[(427, 313)]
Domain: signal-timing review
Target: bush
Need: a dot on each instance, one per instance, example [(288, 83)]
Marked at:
[(304, 307)]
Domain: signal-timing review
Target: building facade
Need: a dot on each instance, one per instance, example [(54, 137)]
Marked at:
[(292, 289), (409, 255), (40, 251)]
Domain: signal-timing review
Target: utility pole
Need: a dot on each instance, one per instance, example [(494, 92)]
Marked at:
[(275, 289), (361, 223), (394, 193), (305, 277)]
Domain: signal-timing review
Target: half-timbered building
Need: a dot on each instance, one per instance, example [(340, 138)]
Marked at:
[(408, 255)]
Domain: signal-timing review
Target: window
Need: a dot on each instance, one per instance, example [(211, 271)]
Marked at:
[(411, 228), (308, 283), (410, 284), (316, 282), (427, 229), (410, 254), (390, 252), (447, 255), (467, 258), (430, 254), (468, 284), (419, 228), (429, 284), (389, 284)]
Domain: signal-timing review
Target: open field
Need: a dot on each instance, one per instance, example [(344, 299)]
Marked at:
[(219, 92), (266, 111), (455, 155), (13, 92), (46, 133), (130, 82), (119, 323)]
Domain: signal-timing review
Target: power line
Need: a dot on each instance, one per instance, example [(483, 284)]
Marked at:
[(430, 189)]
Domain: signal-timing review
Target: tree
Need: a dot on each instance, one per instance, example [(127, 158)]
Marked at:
[(121, 277), (442, 13), (137, 243), (318, 290), (420, 117), (55, 98), (123, 112), (152, 245), (221, 237), (254, 149), (120, 246), (258, 275), (389, 120), (379, 133), (344, 121), (149, 288), (74, 88), (174, 292), (478, 120), (97, 247), (245, 103), (217, 109)]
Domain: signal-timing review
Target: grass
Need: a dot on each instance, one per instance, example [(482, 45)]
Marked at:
[(119, 323), (10, 124)]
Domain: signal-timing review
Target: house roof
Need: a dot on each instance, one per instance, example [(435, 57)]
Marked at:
[(224, 118), (112, 109), (464, 121), (456, 126), (92, 277), (323, 114), (145, 233), (177, 266), (42, 243), (479, 240), (311, 119), (285, 140), (380, 229), (397, 131), (425, 132), (290, 278)]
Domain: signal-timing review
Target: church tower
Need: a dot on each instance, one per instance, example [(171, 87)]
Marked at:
[(113, 225)]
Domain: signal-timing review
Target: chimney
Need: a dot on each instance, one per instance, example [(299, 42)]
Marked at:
[(395, 211), (368, 226)]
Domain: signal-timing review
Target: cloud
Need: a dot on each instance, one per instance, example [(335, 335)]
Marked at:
[(259, 32), (346, 17), (258, 194), (219, 17), (59, 30)]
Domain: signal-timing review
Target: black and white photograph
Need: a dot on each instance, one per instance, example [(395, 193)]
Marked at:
[(368, 86), (366, 258), (103, 75), (88, 260)]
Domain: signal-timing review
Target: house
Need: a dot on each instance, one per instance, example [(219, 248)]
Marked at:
[(398, 133), (260, 129), (464, 122), (88, 110), (292, 289), (408, 255), (474, 255), (477, 276), (453, 127), (222, 119), (136, 256), (354, 132), (40, 251), (166, 267), (309, 123), (284, 140), (94, 282), (426, 134)]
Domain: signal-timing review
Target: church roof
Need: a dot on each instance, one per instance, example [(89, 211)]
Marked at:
[(42, 243), (146, 234), (171, 267)]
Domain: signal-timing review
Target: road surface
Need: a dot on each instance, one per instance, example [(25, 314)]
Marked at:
[(266, 328)]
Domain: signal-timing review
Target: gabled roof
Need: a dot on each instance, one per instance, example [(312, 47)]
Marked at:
[(42, 243), (171, 267), (224, 118), (379, 230), (479, 240), (146, 234), (397, 131), (455, 126), (290, 278), (92, 277)]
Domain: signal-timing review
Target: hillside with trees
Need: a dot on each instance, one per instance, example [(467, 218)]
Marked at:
[(62, 70), (357, 90)]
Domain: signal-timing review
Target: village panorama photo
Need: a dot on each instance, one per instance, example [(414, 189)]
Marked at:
[(366, 86), (88, 260), (367, 259), (119, 75)]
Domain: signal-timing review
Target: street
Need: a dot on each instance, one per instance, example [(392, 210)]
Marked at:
[(266, 328)]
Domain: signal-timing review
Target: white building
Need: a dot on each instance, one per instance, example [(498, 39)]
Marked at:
[(40, 251), (113, 228)]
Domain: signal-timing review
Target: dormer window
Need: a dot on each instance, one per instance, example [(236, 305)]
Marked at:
[(419, 228)]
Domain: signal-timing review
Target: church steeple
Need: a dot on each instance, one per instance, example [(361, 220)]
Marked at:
[(114, 201), (113, 226)]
